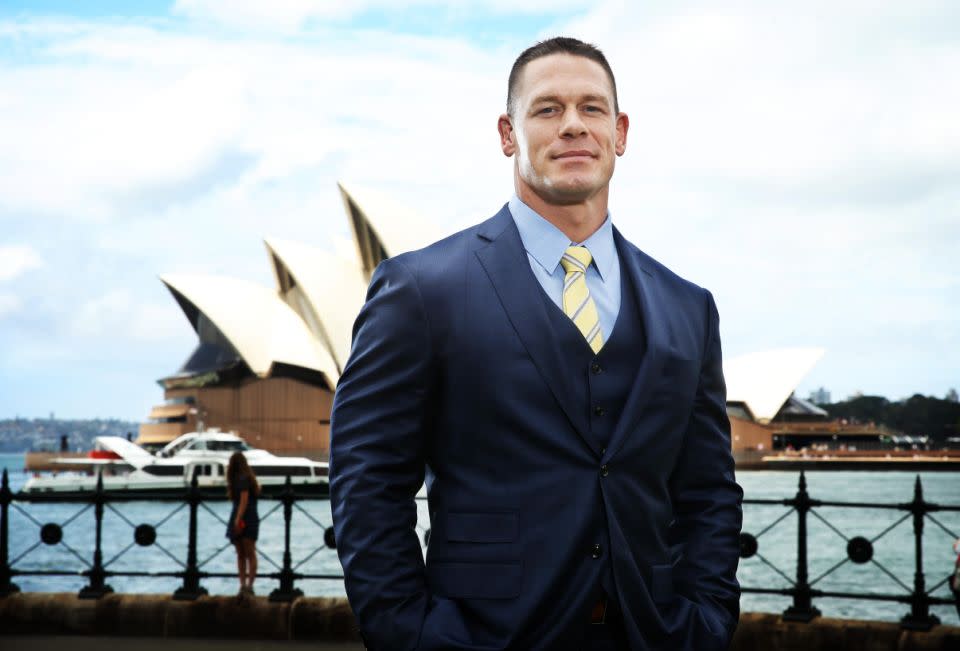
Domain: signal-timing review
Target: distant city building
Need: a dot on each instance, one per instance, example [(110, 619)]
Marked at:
[(820, 397), (952, 396)]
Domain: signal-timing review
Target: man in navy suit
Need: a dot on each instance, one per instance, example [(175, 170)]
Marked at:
[(561, 394)]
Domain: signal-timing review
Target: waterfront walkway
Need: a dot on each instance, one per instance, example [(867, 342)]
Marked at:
[(115, 643), (120, 622)]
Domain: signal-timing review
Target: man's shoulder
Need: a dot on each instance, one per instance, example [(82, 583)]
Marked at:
[(669, 279), (437, 260)]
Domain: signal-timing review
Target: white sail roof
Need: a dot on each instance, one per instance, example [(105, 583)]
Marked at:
[(259, 325), (333, 285), (383, 228), (764, 380)]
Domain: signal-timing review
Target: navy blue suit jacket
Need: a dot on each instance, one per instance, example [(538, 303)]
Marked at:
[(454, 378)]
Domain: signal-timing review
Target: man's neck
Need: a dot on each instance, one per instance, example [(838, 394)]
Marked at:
[(578, 221)]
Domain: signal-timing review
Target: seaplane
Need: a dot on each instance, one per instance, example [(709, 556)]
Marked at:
[(127, 469)]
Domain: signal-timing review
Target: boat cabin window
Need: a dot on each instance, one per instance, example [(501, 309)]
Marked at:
[(227, 446), (169, 452), (282, 471), (202, 470)]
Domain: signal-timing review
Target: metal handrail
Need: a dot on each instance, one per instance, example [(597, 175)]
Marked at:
[(859, 551), (801, 587)]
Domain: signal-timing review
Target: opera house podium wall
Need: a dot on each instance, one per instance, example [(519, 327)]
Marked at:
[(283, 415)]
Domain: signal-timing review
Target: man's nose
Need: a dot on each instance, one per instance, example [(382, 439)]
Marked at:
[(572, 124)]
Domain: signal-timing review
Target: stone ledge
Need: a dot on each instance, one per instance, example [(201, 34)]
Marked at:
[(330, 620), (220, 617), (766, 631)]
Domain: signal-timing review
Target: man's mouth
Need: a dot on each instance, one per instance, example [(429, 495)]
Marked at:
[(577, 153)]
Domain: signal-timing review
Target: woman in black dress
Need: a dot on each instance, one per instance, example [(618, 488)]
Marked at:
[(244, 523)]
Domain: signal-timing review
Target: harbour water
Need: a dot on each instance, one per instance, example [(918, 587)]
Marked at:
[(894, 550)]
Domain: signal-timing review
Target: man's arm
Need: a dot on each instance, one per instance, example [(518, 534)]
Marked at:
[(377, 433), (707, 510)]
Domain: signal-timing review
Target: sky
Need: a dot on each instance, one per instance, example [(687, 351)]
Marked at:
[(799, 159)]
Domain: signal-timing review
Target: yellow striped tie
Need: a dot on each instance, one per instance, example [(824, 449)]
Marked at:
[(577, 302)]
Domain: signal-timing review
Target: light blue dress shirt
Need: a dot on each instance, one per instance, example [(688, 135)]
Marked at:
[(545, 244)]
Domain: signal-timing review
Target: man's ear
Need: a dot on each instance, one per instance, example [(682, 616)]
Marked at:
[(508, 142), (623, 124)]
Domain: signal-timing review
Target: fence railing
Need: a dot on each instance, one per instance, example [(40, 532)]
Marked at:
[(802, 590), (859, 550), (191, 570)]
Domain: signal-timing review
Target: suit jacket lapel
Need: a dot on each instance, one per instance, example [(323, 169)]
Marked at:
[(651, 301), (505, 262)]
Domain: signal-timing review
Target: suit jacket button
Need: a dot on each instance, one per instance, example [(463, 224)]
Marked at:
[(604, 470), (596, 551), (599, 411), (595, 368)]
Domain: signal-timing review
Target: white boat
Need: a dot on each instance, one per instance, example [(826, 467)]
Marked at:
[(126, 468)]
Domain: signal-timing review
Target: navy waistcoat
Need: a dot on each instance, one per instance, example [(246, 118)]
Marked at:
[(599, 383)]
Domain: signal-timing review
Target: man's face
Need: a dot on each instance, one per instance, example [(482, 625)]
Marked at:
[(563, 129)]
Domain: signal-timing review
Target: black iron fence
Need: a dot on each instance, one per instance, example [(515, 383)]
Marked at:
[(191, 570), (859, 550)]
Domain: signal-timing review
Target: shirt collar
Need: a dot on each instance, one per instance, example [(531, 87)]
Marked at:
[(546, 243)]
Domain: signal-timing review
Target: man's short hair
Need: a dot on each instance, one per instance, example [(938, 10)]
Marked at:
[(555, 45)]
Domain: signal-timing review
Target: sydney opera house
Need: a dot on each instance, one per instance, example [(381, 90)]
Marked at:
[(267, 360)]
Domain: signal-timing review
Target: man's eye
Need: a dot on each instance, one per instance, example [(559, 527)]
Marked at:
[(593, 109), (546, 109)]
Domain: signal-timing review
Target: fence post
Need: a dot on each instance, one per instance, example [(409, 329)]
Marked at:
[(7, 587), (97, 588), (191, 588), (286, 591), (919, 617), (802, 609)]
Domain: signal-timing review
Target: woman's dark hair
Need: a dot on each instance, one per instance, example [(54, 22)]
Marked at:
[(238, 468), (558, 45)]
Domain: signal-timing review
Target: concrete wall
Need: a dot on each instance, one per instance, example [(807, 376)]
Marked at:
[(768, 632), (326, 619), (35, 620)]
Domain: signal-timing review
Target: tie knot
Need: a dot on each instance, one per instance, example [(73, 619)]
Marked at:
[(576, 258)]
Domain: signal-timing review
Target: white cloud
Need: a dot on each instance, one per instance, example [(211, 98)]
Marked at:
[(796, 158), (150, 112), (116, 316), (103, 315), (292, 15), (9, 304), (154, 322), (17, 259), (287, 15)]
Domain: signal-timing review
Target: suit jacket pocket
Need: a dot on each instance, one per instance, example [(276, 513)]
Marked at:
[(475, 580), (483, 527), (661, 583)]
